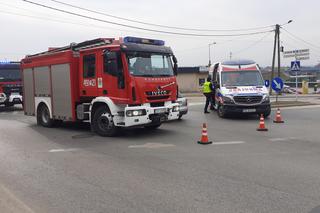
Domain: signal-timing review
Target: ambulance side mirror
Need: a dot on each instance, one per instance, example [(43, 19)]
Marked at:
[(216, 85)]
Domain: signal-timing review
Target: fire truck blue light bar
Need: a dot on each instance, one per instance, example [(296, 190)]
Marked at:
[(130, 39)]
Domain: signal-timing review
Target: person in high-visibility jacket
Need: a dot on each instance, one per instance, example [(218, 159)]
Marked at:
[(208, 92)]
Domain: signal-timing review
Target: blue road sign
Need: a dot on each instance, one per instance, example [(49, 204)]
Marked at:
[(295, 66), (267, 83), (277, 84)]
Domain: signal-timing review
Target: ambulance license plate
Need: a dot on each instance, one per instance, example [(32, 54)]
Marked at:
[(248, 110)]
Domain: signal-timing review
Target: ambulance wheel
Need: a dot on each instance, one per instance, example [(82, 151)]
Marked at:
[(43, 116), (220, 111), (266, 114), (102, 122)]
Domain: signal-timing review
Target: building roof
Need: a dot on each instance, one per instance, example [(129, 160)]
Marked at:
[(197, 69)]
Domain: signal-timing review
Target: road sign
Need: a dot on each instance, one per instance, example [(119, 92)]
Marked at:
[(295, 66), (301, 58), (303, 54), (277, 84)]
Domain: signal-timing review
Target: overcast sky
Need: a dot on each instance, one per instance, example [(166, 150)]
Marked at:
[(40, 28)]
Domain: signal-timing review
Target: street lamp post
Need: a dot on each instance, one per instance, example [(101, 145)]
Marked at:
[(211, 44)]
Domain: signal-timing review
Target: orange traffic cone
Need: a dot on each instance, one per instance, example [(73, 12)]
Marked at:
[(204, 138), (278, 117), (262, 127)]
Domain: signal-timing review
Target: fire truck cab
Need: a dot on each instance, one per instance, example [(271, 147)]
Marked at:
[(107, 82), (10, 83)]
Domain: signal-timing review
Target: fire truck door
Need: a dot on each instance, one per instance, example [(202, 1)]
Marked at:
[(88, 67), (113, 78)]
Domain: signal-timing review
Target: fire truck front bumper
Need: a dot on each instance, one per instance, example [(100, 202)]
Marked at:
[(145, 114)]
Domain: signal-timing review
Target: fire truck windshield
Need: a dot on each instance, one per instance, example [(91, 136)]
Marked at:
[(149, 64), (9, 75), (241, 78)]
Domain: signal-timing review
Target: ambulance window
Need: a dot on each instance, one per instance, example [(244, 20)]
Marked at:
[(89, 66)]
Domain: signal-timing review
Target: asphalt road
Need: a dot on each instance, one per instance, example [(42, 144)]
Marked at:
[(68, 169)]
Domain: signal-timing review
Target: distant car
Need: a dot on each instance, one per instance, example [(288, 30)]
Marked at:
[(289, 90), (183, 105)]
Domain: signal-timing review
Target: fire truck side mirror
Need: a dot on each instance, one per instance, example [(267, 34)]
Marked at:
[(175, 65), (175, 69)]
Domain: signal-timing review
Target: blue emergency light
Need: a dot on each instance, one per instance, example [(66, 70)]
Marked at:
[(4, 61), (136, 40)]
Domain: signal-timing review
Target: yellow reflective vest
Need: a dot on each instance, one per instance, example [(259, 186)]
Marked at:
[(206, 87)]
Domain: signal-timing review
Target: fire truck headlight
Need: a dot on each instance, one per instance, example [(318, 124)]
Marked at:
[(176, 109), (138, 112)]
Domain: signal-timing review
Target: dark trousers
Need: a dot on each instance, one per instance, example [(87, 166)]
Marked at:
[(208, 100)]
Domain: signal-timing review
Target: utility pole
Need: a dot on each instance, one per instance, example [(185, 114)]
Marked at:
[(279, 64), (276, 43), (274, 56)]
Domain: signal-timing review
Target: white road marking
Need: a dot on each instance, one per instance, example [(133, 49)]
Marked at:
[(227, 142), (11, 203), (63, 150), (278, 139), (282, 139), (196, 103), (152, 145)]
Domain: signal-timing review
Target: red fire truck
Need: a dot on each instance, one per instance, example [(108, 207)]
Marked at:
[(10, 83), (110, 83)]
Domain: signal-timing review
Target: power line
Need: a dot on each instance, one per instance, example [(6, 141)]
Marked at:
[(158, 25), (145, 29), (68, 22), (314, 50), (296, 37), (252, 45)]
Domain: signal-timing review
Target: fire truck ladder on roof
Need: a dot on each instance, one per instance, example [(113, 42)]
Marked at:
[(77, 46)]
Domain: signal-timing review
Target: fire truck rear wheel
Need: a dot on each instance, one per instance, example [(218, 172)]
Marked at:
[(102, 122), (43, 116)]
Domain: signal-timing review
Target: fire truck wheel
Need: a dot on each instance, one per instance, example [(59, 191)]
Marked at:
[(9, 104), (102, 122), (43, 116), (154, 126)]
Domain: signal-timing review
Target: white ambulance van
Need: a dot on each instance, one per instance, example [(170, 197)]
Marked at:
[(239, 88)]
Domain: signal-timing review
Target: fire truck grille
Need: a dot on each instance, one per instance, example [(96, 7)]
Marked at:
[(162, 97), (247, 99), (157, 104)]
